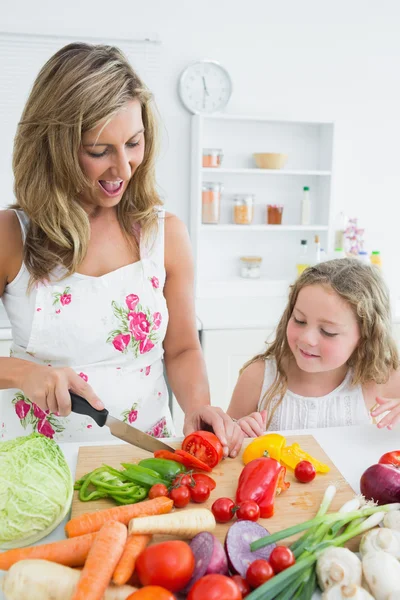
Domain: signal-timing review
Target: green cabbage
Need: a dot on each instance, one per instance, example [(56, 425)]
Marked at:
[(36, 489)]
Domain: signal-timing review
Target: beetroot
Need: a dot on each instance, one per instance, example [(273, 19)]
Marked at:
[(209, 555), (237, 545), (381, 483)]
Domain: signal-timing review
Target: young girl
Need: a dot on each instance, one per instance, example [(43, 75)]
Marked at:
[(333, 362)]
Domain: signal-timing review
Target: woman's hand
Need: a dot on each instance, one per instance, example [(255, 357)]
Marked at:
[(254, 424), (48, 387), (389, 405), (213, 418)]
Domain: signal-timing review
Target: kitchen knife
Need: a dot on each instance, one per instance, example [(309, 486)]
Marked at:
[(118, 428)]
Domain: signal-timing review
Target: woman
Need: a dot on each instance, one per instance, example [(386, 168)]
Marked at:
[(94, 302)]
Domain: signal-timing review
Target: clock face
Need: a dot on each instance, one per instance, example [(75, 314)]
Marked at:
[(205, 87)]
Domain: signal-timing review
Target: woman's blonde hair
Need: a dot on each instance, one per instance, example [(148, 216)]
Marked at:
[(78, 87), (363, 288)]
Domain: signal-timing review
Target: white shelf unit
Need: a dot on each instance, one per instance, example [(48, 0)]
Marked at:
[(217, 248)]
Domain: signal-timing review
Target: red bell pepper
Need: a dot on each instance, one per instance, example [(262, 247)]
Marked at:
[(260, 480)]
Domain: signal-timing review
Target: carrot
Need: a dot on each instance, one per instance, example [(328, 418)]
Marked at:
[(133, 547), (92, 522), (102, 559), (71, 553), (185, 523)]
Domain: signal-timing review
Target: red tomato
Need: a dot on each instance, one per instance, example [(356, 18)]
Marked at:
[(205, 479), (248, 511), (180, 495), (223, 510), (151, 592), (259, 572), (168, 564), (205, 446), (281, 558), (242, 584), (215, 587), (184, 479), (304, 471), (159, 489), (391, 458), (200, 492)]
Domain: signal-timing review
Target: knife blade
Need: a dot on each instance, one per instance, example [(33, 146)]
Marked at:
[(118, 428)]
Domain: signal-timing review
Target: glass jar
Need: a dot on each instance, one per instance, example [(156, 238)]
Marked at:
[(211, 202), (250, 267), (243, 210), (274, 214), (212, 157)]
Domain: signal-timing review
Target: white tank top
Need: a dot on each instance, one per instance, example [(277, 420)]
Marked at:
[(343, 406), (109, 329)]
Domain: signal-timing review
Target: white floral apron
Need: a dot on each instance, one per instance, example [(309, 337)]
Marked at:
[(110, 330)]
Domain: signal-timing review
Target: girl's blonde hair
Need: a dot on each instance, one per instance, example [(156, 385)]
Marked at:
[(78, 87), (363, 288)]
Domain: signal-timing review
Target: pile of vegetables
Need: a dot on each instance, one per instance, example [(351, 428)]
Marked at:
[(36, 489)]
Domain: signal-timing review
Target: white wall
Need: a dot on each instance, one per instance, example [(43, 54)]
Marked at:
[(314, 59)]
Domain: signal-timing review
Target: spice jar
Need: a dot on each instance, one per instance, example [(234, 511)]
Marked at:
[(243, 209), (212, 157), (211, 201), (274, 214), (250, 267)]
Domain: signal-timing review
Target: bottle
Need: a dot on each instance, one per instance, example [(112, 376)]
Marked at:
[(305, 206), (302, 260), (376, 258), (339, 253), (317, 255), (363, 256)]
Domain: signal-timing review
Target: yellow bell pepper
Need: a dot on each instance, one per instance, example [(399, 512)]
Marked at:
[(271, 443), (292, 455)]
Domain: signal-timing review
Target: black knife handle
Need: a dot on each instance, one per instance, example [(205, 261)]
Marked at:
[(82, 407)]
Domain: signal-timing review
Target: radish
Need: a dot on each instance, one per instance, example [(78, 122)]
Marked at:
[(209, 555), (237, 545)]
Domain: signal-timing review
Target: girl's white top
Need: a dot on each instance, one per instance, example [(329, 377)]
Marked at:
[(343, 406), (109, 329)]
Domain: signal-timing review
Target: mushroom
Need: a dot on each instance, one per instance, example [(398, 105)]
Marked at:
[(338, 566), (381, 538), (382, 574), (347, 592), (392, 520)]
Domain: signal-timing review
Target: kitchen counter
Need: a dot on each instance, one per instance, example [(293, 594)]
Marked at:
[(352, 449)]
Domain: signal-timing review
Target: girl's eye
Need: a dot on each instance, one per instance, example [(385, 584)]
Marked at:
[(328, 334), (298, 322)]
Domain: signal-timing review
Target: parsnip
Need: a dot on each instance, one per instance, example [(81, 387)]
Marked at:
[(185, 523), (44, 580)]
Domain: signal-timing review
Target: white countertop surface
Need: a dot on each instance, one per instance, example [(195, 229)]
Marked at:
[(352, 449)]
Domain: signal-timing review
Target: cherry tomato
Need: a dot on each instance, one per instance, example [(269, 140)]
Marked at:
[(180, 496), (185, 479), (259, 572), (200, 492), (242, 584), (223, 510), (304, 471), (205, 446), (159, 489), (151, 592), (391, 458), (205, 479), (248, 511), (215, 587), (281, 558), (168, 564)]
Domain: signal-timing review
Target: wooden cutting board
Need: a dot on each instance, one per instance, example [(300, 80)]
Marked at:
[(297, 504)]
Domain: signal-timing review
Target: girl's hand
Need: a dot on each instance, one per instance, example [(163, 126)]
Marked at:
[(48, 387), (211, 417), (254, 424), (389, 405)]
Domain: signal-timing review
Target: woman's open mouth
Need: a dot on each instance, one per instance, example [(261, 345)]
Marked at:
[(111, 188)]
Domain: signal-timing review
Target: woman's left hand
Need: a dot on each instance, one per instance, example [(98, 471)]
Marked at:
[(389, 405), (213, 418)]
